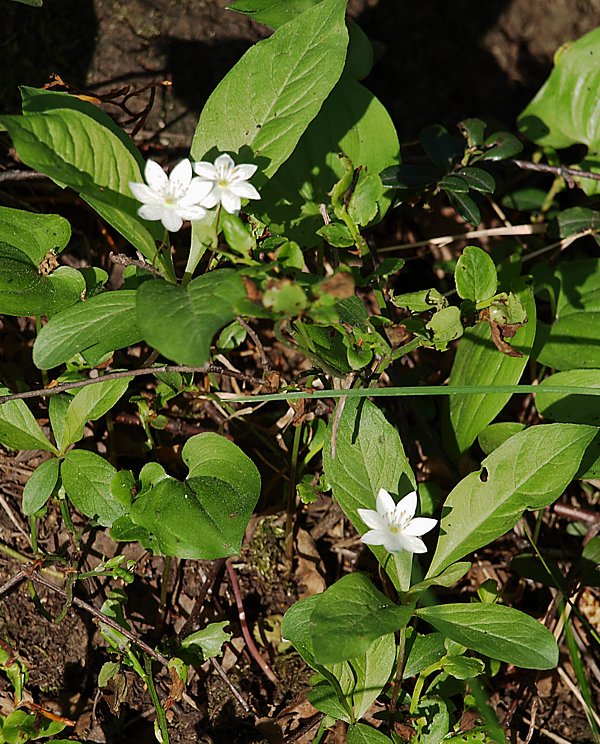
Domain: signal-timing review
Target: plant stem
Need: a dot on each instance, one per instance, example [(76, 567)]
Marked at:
[(291, 495), (33, 533), (161, 718), (399, 669)]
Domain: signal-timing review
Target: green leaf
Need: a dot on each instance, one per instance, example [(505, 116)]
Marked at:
[(441, 147), (209, 640), (564, 112), (87, 478), (465, 206), (349, 616), (92, 328), (352, 121), (478, 179), (336, 234), (40, 486), (477, 358), (496, 631), (496, 434), (26, 291), (76, 150), (272, 13), (295, 627), (360, 733), (571, 409), (572, 340), (204, 517), (448, 577), (573, 221), (18, 427), (34, 234), (422, 651), (475, 276), (33, 3), (181, 322), (432, 720), (371, 673), (273, 93), (89, 404), (499, 146), (445, 326), (368, 456), (529, 471)]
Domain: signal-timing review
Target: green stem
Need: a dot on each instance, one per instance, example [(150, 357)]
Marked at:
[(66, 515), (164, 586), (416, 696), (33, 533), (399, 669), (291, 495), (161, 718)]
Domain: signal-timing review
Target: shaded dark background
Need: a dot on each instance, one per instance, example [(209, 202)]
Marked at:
[(438, 61)]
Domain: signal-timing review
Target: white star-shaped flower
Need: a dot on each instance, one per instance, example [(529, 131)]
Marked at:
[(170, 199), (228, 181), (394, 525)]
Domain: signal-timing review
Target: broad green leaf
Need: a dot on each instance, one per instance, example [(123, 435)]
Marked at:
[(349, 616), (368, 456), (529, 471), (496, 631), (478, 360), (40, 485), (57, 411), (432, 720), (89, 404), (360, 733), (76, 150), (33, 3), (571, 409), (273, 93), (204, 517), (87, 478), (572, 340), (181, 321), (422, 651), (295, 627), (476, 277), (496, 434), (371, 673), (93, 328), (272, 13), (447, 578), (353, 122), (565, 112), (26, 291), (18, 427), (36, 235), (209, 641)]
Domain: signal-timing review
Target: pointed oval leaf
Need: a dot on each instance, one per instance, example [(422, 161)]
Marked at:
[(34, 234), (476, 277), (571, 409), (87, 478), (92, 328), (368, 456), (181, 321), (529, 471), (18, 427), (40, 485), (273, 93), (349, 616), (496, 631)]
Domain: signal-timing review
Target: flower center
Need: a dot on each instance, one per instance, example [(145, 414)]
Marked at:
[(170, 201), (223, 183)]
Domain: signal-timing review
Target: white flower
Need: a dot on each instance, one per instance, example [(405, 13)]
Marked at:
[(228, 181), (394, 525), (170, 199)]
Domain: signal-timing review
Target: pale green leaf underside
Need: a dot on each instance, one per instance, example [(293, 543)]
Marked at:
[(268, 99), (18, 427), (529, 471)]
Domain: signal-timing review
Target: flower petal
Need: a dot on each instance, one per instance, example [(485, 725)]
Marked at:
[(180, 178), (419, 526), (245, 190), (224, 162), (171, 220), (205, 170), (385, 503), (151, 211), (393, 543), (193, 212), (155, 177), (374, 537), (213, 198), (372, 519), (244, 171), (144, 193), (231, 203), (406, 507), (196, 192), (412, 544)]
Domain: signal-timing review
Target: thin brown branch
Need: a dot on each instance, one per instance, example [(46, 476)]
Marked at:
[(206, 587), (36, 578), (254, 652), (558, 170), (234, 690), (123, 260), (21, 175), (257, 342), (207, 368), (576, 515), (305, 728)]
